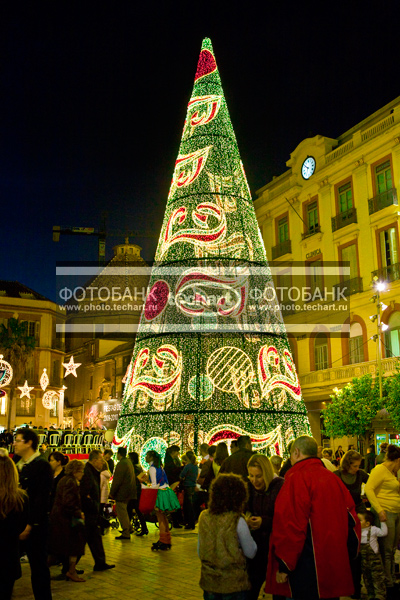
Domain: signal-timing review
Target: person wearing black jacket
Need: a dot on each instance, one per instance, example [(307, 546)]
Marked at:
[(263, 491), (173, 468), (90, 497), (36, 479), (108, 457), (133, 504), (237, 462)]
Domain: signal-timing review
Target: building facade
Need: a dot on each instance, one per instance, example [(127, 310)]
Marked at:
[(100, 334), (337, 204), (42, 316)]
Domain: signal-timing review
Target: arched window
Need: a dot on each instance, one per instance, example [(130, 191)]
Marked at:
[(392, 335), (356, 344), (321, 354)]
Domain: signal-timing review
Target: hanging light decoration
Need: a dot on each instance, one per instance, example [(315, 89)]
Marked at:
[(49, 399), (25, 390), (44, 380), (71, 367), (6, 372)]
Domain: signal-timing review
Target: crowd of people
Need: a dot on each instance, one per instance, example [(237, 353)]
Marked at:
[(297, 528), (66, 437)]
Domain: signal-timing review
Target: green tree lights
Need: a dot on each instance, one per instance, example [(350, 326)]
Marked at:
[(211, 359)]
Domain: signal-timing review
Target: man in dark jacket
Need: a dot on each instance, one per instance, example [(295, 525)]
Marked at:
[(90, 499), (108, 457), (237, 462), (37, 479), (370, 459), (123, 489)]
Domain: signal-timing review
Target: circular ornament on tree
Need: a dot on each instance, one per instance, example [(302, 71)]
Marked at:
[(109, 435), (154, 443), (49, 399), (172, 437), (156, 300), (202, 383), (6, 372), (230, 369)]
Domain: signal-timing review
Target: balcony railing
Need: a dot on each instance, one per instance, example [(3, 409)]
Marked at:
[(281, 249), (311, 231), (344, 218), (342, 375), (389, 273), (348, 287), (383, 200)]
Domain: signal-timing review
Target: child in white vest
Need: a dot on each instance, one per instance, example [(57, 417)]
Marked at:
[(371, 561)]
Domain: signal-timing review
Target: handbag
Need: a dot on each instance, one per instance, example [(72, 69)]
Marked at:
[(147, 502)]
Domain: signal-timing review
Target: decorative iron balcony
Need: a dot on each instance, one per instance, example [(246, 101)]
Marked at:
[(382, 201), (311, 231), (344, 218), (348, 287), (389, 273), (281, 249)]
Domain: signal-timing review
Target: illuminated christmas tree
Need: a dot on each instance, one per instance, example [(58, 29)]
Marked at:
[(211, 359)]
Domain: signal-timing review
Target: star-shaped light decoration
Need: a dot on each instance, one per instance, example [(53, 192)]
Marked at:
[(44, 380), (25, 390), (71, 367)]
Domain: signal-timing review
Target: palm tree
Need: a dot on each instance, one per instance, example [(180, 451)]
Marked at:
[(17, 346)]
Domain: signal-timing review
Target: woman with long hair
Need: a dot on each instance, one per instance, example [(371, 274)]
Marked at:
[(13, 520), (221, 454), (188, 478), (166, 499), (133, 504), (264, 489), (352, 476), (58, 462), (383, 492), (67, 520)]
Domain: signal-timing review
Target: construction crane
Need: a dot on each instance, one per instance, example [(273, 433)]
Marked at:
[(101, 234)]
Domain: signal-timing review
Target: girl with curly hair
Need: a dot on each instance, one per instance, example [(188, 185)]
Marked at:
[(225, 541)]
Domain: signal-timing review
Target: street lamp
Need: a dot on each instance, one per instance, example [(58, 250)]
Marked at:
[(380, 286)]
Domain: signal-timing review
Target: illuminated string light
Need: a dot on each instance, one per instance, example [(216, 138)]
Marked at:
[(71, 367), (190, 381), (44, 380), (49, 399), (26, 390), (6, 372)]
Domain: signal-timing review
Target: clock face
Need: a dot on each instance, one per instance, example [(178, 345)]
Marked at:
[(308, 167)]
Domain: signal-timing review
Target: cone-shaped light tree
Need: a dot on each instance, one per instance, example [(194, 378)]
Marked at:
[(211, 359)]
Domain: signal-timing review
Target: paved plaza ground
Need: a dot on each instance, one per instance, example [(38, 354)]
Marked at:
[(139, 573)]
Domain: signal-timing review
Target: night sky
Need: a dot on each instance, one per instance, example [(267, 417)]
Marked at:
[(94, 96)]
